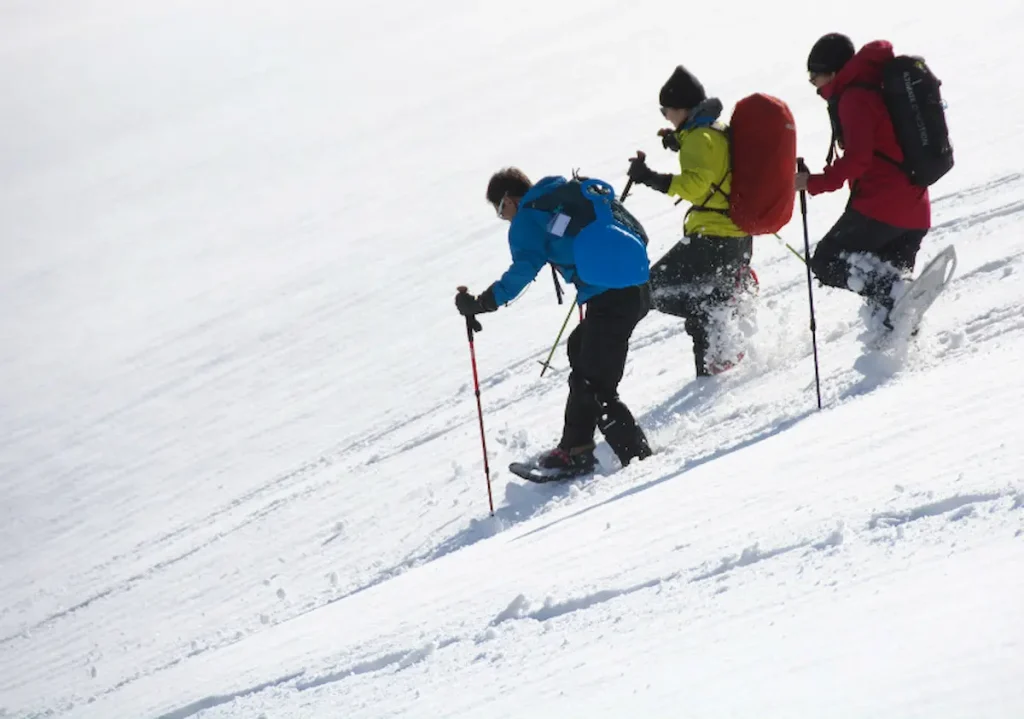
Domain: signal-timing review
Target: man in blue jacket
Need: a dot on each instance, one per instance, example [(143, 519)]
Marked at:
[(545, 221)]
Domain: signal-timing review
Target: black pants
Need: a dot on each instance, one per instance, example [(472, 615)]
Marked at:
[(597, 355), (695, 279), (866, 256)]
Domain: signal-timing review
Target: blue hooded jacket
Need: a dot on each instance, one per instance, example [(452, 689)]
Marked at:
[(533, 246)]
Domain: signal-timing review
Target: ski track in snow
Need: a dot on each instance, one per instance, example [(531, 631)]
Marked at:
[(954, 509), (958, 507), (215, 701)]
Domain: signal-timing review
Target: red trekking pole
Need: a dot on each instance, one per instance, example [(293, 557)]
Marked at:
[(470, 323)]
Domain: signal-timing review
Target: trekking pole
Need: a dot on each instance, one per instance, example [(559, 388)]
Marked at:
[(801, 166), (629, 185), (558, 286), (789, 247), (558, 339), (470, 321), (625, 193)]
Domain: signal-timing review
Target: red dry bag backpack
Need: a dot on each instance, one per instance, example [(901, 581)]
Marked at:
[(763, 147)]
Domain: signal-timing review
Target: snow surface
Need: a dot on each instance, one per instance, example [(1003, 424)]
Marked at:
[(239, 458)]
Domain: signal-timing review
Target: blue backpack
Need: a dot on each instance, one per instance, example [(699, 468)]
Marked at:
[(610, 245)]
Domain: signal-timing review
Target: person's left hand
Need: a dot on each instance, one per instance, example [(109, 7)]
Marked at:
[(669, 140), (638, 169), (801, 181)]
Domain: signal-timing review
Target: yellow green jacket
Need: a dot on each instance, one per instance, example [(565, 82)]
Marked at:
[(704, 162)]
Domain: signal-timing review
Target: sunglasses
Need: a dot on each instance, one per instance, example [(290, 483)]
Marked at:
[(501, 206), (664, 112)]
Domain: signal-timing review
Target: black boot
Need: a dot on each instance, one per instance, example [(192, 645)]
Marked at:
[(878, 293), (695, 327), (622, 432)]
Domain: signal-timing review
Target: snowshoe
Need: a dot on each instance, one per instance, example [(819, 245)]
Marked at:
[(556, 465), (906, 314)]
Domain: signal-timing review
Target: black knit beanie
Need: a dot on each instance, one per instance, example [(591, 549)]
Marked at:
[(682, 91), (830, 53)]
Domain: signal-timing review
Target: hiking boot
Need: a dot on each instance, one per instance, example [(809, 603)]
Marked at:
[(643, 449), (572, 462), (876, 314), (882, 296), (719, 366)]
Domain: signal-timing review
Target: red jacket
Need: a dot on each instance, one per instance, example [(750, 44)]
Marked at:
[(880, 190)]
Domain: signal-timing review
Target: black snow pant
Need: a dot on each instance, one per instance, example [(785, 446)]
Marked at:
[(866, 256), (597, 355), (697, 277)]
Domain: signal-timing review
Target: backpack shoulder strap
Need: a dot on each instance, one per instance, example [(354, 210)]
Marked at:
[(878, 89), (865, 86), (569, 200), (836, 143), (716, 187), (834, 107)]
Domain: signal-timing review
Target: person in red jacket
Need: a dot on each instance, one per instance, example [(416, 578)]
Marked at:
[(875, 242)]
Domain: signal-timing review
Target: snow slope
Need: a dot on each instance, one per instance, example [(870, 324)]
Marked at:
[(239, 455)]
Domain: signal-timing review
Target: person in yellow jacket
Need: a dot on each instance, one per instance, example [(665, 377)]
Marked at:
[(706, 277)]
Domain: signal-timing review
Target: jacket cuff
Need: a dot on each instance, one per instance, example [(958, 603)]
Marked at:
[(660, 182), (816, 185), (486, 300)]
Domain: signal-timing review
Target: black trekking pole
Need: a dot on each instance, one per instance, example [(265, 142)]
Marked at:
[(629, 185), (801, 166), (471, 324), (558, 285), (625, 193)]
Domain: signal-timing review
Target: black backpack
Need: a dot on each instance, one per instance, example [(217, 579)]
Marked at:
[(911, 95)]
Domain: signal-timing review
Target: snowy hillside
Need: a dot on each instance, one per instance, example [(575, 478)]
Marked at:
[(240, 467)]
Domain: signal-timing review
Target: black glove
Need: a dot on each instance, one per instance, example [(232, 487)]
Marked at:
[(669, 140), (640, 172), (468, 305)]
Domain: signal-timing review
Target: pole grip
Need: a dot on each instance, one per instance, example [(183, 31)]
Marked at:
[(470, 320)]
